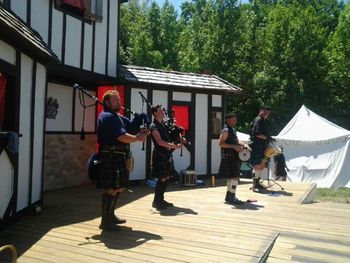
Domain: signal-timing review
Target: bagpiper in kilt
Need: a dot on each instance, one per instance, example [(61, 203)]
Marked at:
[(112, 171), (162, 159), (230, 163), (113, 142)]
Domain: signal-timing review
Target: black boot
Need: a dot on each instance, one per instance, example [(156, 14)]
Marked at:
[(113, 218), (158, 196), (106, 223), (164, 185), (257, 186), (232, 199), (261, 186), (228, 197)]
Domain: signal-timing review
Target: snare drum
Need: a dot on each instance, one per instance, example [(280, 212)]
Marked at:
[(244, 155), (272, 150), (188, 177)]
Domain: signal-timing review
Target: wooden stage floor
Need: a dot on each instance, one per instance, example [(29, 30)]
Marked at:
[(200, 228)]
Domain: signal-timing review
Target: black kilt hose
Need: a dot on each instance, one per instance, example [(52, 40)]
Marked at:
[(230, 165), (112, 171), (162, 165)]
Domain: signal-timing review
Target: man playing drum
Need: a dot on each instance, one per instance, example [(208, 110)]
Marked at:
[(260, 136), (230, 163)]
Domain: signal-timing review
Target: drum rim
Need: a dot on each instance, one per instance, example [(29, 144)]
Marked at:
[(244, 151)]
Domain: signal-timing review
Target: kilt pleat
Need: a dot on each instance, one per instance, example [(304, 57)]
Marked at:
[(230, 166), (162, 166), (112, 171)]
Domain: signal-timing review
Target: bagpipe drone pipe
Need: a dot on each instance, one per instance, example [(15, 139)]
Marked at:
[(175, 132), (137, 124)]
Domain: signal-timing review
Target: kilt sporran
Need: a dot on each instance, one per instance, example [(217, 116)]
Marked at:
[(130, 162)]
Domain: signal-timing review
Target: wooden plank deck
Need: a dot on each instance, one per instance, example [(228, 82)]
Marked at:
[(200, 228)]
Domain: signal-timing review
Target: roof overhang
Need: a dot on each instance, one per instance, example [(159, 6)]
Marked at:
[(18, 34)]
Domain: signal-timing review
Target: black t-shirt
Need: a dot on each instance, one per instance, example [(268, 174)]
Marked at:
[(261, 126), (164, 134), (109, 127)]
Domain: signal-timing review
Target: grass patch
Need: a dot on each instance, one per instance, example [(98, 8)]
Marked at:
[(339, 195)]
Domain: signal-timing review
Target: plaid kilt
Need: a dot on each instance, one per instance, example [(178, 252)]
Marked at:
[(162, 165), (112, 171), (230, 165), (258, 152)]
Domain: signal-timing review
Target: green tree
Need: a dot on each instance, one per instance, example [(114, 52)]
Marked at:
[(293, 70), (136, 44), (280, 52), (169, 36), (249, 60), (338, 56), (153, 15), (195, 21)]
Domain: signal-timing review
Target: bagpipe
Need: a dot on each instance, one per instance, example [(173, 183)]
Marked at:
[(138, 124), (175, 132)]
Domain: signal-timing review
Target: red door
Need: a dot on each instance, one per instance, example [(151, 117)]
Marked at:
[(182, 117)]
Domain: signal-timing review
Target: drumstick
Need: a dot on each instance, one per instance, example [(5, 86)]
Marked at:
[(250, 200)]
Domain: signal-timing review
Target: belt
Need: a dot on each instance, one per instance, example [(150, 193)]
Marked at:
[(112, 149)]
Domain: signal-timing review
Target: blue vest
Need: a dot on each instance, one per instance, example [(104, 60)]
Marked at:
[(231, 139)]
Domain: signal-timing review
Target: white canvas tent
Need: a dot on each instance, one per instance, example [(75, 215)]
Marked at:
[(243, 137), (316, 150)]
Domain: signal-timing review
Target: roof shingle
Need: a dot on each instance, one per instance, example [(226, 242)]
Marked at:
[(175, 78)]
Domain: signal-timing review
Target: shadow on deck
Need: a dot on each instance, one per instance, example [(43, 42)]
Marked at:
[(200, 228)]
